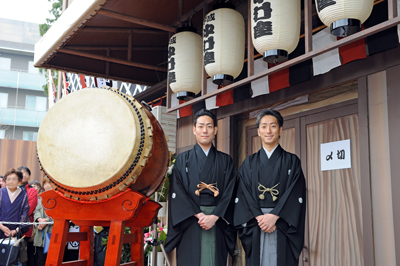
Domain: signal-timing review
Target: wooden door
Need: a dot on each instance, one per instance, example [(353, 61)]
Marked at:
[(334, 205)]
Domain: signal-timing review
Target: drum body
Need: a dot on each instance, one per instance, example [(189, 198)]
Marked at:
[(95, 143)]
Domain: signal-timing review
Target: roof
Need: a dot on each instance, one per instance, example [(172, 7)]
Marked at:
[(92, 37)]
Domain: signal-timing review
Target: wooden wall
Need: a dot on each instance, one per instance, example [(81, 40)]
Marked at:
[(15, 153)]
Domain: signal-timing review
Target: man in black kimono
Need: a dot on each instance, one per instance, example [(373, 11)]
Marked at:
[(200, 210), (270, 202)]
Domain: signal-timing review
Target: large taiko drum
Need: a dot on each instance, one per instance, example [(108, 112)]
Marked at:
[(95, 143)]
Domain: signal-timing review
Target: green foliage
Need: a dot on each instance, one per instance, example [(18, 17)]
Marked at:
[(164, 189), (55, 78), (163, 237), (56, 10)]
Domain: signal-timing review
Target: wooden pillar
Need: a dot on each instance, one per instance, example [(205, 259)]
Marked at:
[(115, 241), (250, 46), (86, 248), (308, 25), (57, 242), (137, 252)]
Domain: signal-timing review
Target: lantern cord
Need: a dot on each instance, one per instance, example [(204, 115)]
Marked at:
[(344, 32)]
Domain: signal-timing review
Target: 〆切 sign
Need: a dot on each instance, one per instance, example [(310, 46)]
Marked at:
[(335, 155)]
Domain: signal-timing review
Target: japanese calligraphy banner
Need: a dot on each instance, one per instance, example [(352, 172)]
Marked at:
[(335, 155)]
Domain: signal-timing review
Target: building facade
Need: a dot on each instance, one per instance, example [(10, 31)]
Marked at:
[(23, 103)]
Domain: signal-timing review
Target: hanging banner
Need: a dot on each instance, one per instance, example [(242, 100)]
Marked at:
[(51, 89), (335, 155)]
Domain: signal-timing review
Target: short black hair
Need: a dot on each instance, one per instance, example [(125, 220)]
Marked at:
[(204, 112), (13, 171), (1, 177), (274, 113), (24, 168)]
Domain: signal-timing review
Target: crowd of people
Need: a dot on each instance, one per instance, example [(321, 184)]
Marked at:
[(20, 204)]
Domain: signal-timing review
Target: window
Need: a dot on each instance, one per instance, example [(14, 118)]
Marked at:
[(29, 136), (2, 133), (5, 63), (32, 69), (36, 103), (3, 99)]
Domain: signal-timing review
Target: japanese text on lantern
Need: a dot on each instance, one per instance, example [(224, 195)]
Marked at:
[(324, 3), (261, 14), (208, 37), (171, 61)]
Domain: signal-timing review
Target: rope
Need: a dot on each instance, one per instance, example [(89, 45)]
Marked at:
[(211, 187), (22, 223), (274, 192)]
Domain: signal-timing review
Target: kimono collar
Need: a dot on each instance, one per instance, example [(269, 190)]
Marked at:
[(198, 148), (270, 153), (200, 151), (13, 195)]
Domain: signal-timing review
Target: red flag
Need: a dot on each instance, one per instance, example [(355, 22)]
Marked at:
[(352, 51), (278, 80), (185, 111), (156, 103), (83, 82), (51, 89), (225, 98)]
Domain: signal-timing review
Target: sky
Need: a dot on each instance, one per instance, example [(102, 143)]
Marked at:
[(35, 11)]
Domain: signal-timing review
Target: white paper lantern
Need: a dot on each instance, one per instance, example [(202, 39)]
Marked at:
[(185, 63), (275, 28), (223, 43), (344, 17)]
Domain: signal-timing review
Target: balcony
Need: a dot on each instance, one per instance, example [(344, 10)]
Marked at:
[(22, 80), (21, 117)]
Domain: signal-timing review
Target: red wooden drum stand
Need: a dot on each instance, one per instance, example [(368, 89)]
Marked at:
[(127, 209)]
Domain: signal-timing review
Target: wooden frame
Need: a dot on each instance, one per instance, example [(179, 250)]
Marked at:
[(363, 123), (111, 59), (393, 92)]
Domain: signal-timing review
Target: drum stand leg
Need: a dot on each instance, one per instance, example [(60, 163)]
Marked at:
[(137, 252), (86, 247), (57, 243), (114, 245)]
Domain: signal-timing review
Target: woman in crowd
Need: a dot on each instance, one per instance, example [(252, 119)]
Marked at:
[(32, 198), (14, 206), (42, 229), (36, 184), (2, 182)]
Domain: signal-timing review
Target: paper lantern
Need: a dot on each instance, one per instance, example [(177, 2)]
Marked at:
[(344, 17), (185, 63), (223, 43), (275, 28)]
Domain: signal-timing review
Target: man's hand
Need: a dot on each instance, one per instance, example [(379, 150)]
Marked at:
[(199, 215), (267, 222), (41, 226), (208, 221)]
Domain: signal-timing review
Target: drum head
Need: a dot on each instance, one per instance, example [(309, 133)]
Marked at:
[(86, 138)]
